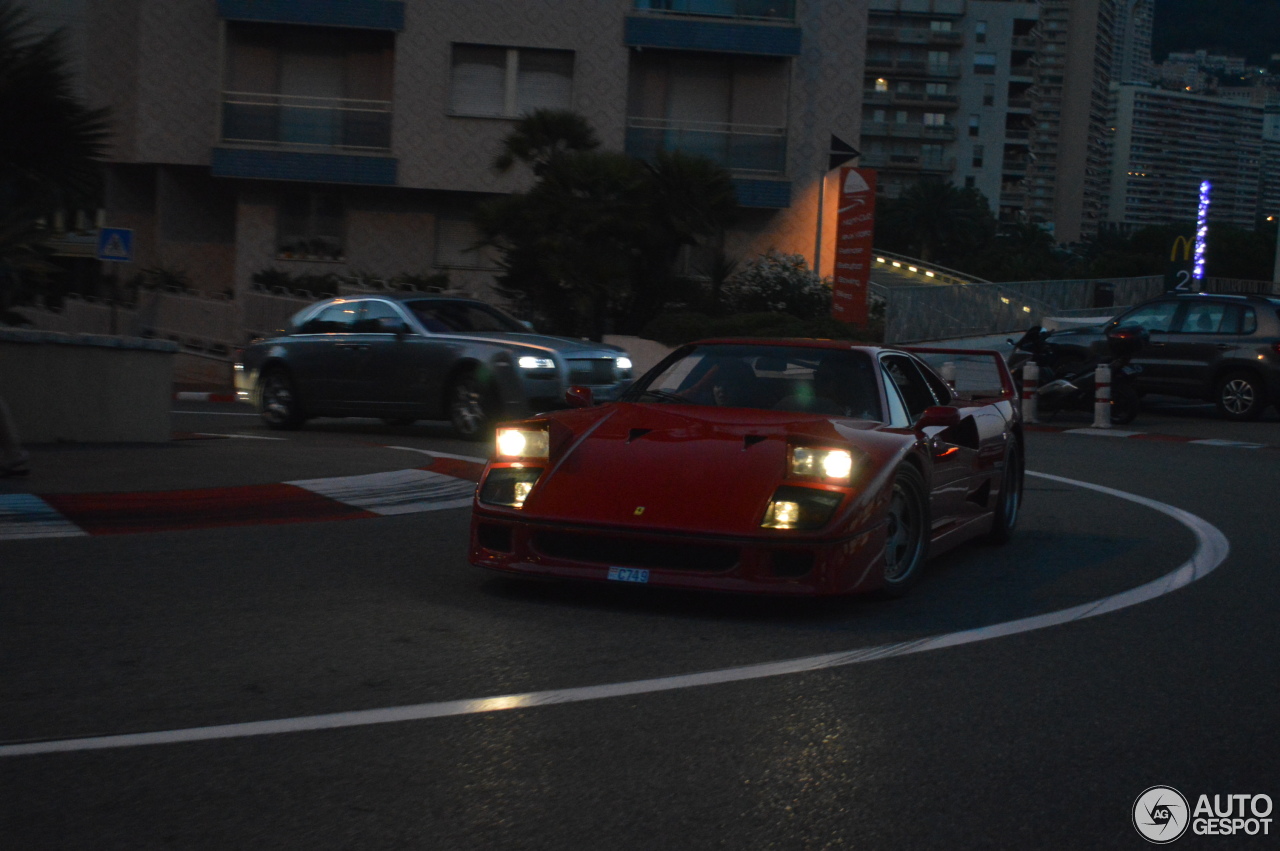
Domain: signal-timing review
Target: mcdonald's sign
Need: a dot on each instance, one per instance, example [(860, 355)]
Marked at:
[(1179, 274)]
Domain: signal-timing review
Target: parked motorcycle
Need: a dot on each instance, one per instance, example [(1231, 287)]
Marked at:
[(1068, 383)]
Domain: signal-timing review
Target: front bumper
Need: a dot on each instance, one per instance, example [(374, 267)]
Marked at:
[(758, 565)]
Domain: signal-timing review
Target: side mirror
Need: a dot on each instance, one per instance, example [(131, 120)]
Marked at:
[(943, 416), (578, 397)]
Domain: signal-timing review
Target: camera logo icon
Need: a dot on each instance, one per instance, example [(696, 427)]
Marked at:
[(1161, 814)]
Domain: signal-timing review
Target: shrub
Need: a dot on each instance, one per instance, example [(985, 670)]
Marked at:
[(779, 283)]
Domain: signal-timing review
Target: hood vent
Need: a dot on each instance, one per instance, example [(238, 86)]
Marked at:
[(751, 440), (637, 433)]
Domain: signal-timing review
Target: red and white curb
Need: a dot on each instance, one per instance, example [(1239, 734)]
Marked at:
[(447, 482)]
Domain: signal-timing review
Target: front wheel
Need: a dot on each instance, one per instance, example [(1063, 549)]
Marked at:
[(278, 403), (906, 533), (472, 405), (1240, 396)]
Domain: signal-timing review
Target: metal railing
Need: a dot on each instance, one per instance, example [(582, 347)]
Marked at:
[(258, 118), (738, 147), (759, 10)]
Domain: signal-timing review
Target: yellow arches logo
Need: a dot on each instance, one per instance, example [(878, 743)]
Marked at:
[(1187, 246)]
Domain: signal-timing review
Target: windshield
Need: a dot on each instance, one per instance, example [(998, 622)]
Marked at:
[(769, 378), (462, 317)]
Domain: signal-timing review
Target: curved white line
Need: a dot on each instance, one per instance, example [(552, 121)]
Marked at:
[(1211, 550)]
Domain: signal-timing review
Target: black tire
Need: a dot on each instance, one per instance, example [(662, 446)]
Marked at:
[(1009, 500), (472, 405), (1126, 404), (907, 532), (1240, 396), (278, 402)]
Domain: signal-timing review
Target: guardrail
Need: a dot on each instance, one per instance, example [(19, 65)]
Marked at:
[(740, 147)]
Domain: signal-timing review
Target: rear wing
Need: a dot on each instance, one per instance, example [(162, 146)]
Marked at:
[(975, 374)]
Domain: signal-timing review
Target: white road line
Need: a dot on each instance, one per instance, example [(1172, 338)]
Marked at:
[(24, 516), (440, 454), (1103, 432), (1238, 444), (1211, 550)]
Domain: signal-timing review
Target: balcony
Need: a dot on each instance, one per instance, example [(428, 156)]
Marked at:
[(913, 35), (362, 14), (911, 67), (909, 162), (737, 147), (750, 10), (306, 123), (944, 132), (913, 98), (729, 35)]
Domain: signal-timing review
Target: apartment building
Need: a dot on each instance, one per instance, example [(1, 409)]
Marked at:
[(316, 136), (1168, 142), (947, 95)]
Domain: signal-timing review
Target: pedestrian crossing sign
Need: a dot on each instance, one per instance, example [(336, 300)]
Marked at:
[(115, 244)]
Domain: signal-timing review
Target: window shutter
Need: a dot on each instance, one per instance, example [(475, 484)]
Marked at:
[(479, 78), (544, 81)]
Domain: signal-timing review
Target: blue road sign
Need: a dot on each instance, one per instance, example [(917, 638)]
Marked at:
[(115, 244)]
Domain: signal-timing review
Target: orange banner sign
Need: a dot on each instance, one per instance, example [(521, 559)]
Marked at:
[(855, 225)]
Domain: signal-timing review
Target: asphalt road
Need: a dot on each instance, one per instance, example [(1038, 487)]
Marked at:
[(1041, 739)]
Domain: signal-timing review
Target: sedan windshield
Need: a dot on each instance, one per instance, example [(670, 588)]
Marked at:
[(773, 378), (460, 317)]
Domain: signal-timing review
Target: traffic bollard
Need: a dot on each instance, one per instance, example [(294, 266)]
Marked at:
[(1102, 397), (1030, 381), (948, 373)]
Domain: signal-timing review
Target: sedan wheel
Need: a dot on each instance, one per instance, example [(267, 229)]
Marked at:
[(906, 533), (279, 406), (1241, 396), (471, 407)]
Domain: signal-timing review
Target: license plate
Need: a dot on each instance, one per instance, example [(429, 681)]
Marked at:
[(628, 574)]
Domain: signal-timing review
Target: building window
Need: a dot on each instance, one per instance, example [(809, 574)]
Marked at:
[(900, 117), (882, 85), (729, 109), (932, 155), (879, 116), (980, 32), (970, 182), (935, 88), (508, 82), (939, 59), (940, 26), (935, 119), (305, 89), (978, 153), (310, 227), (975, 125), (984, 63), (989, 94), (458, 246)]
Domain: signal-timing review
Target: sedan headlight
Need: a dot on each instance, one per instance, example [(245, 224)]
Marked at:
[(800, 508), (622, 362), (811, 463), (530, 362), (522, 443)]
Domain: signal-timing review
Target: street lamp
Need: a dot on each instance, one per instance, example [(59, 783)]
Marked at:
[(1275, 273)]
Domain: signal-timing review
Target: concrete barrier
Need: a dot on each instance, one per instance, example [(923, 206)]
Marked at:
[(86, 387)]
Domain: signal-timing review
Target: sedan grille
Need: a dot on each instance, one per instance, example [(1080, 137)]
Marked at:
[(636, 552), (592, 371)]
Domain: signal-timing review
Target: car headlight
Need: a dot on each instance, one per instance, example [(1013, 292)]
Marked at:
[(522, 443), (811, 463), (509, 486), (622, 363), (795, 507), (530, 362)]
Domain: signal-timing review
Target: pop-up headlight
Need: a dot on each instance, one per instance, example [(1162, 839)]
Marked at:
[(514, 443), (832, 464), (800, 508)]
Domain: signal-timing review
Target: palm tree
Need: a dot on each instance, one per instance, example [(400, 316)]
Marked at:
[(50, 144), (934, 215), (543, 135)]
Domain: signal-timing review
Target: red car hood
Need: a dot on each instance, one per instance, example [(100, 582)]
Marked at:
[(674, 467)]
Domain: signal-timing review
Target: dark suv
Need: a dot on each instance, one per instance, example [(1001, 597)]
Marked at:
[(1221, 348)]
